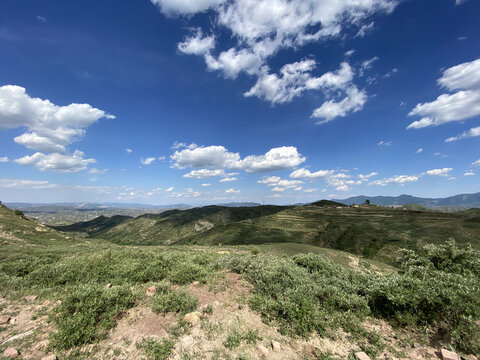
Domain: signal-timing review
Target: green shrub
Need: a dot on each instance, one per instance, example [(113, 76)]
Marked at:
[(87, 312), (157, 350), (178, 301), (18, 212)]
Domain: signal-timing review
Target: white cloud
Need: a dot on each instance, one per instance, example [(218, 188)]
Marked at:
[(367, 177), (203, 173), (439, 172), (419, 151), (349, 53), (128, 151), (459, 2), (397, 179), (462, 105), (218, 157), (206, 184), (96, 171), (329, 110), (179, 145), (197, 44), (185, 7), (306, 174), (169, 189), (42, 18), (49, 127), (148, 160), (3, 159), (390, 73), (310, 190), (229, 179), (25, 184), (473, 132), (384, 143), (280, 185), (367, 64), (469, 173), (295, 79), (364, 29), (476, 163), (260, 28), (284, 157), (232, 191), (64, 163), (342, 188), (278, 189)]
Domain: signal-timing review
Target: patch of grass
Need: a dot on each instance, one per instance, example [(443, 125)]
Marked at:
[(168, 300), (87, 312), (156, 350), (233, 340)]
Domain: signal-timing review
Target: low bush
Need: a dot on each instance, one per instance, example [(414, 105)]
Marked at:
[(157, 350), (168, 300)]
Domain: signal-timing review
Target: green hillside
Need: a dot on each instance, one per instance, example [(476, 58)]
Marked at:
[(373, 232)]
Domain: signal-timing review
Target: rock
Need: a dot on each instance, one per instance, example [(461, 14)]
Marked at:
[(262, 351), (275, 345), (193, 318), (216, 304), (417, 346), (50, 357), (58, 302), (187, 341), (41, 345), (31, 297), (4, 319), (107, 286), (196, 283), (449, 355), (18, 337), (10, 353), (151, 291), (12, 321), (38, 307), (362, 356)]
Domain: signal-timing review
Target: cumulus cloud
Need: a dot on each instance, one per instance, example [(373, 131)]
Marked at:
[(473, 132), (197, 44), (64, 163), (353, 102), (296, 78), (148, 160), (50, 128), (469, 173), (185, 7), (206, 184), (229, 179), (218, 157), (232, 191), (476, 163), (397, 179), (260, 28), (280, 185), (203, 173), (461, 105), (169, 189), (367, 177), (439, 172), (3, 159), (306, 174)]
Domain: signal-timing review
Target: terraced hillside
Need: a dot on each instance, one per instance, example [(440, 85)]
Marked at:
[(374, 232)]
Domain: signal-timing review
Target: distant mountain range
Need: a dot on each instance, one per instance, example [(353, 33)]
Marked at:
[(460, 201)]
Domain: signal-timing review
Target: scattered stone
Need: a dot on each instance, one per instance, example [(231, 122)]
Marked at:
[(58, 302), (471, 357), (12, 321), (187, 341), (4, 319), (449, 355), (31, 297), (38, 307), (90, 348), (50, 357), (196, 283), (275, 345), (417, 346), (216, 304), (18, 337), (41, 345), (362, 356), (193, 318), (262, 351), (107, 286), (10, 353), (151, 291), (46, 303)]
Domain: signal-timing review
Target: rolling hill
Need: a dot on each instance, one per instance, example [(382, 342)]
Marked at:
[(374, 232)]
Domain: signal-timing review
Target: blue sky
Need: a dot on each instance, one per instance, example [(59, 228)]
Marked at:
[(210, 101)]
